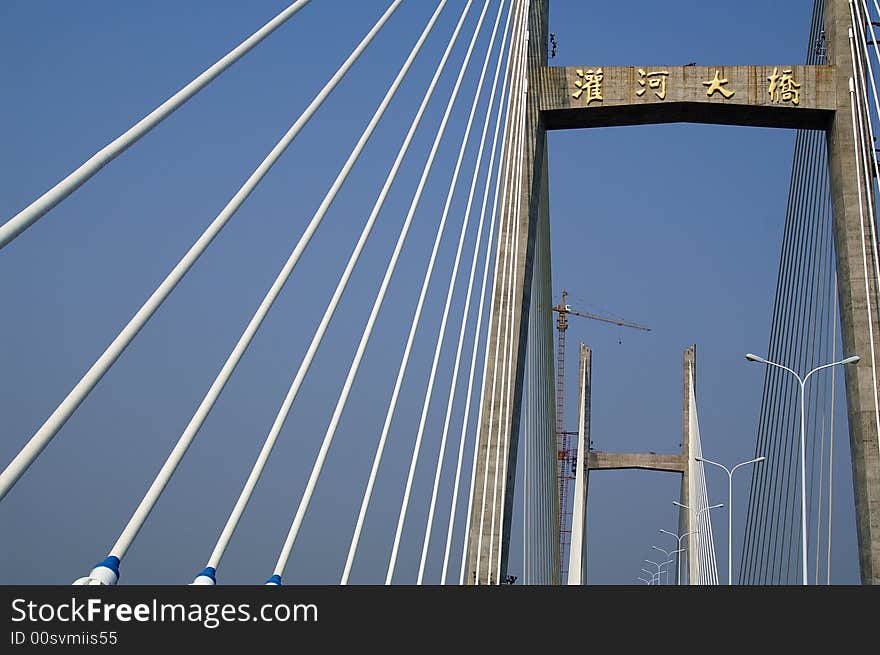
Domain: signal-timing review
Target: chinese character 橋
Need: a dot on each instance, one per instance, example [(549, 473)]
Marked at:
[(783, 88), (591, 82), (654, 80), (717, 84)]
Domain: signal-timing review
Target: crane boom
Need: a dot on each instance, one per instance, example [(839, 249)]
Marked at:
[(607, 320)]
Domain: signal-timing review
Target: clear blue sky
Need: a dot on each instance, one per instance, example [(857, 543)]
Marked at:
[(677, 227)]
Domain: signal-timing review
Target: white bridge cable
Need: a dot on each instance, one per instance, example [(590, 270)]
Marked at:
[(505, 148), (39, 207), (513, 345), (331, 430), (546, 434), (527, 475), (58, 418), (531, 420), (511, 148), (171, 463), (317, 338), (508, 367), (509, 283), (487, 259), (834, 321), (419, 306), (708, 570), (381, 446), (473, 267), (869, 145)]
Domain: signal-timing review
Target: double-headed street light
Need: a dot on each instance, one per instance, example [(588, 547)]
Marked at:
[(643, 579), (680, 550), (659, 566), (696, 515), (651, 573), (730, 505), (667, 553), (803, 382)]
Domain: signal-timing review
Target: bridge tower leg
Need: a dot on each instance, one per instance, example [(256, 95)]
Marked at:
[(489, 540), (685, 518), (858, 293)]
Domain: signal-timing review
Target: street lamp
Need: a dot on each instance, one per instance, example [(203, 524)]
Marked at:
[(651, 573), (667, 553), (803, 382), (643, 580), (730, 505), (696, 515), (680, 549), (659, 566)]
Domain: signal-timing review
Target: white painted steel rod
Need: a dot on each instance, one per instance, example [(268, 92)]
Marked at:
[(334, 422), (493, 155), (868, 145), (509, 283), (502, 266), (377, 305), (389, 417), (317, 338), (453, 275), (499, 217), (39, 207), (171, 463), (58, 418), (162, 478), (513, 347)]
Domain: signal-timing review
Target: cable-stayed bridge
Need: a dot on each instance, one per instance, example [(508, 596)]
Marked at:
[(470, 366)]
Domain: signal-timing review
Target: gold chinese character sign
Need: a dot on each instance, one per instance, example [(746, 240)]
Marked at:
[(717, 84), (590, 82), (783, 88), (653, 80)]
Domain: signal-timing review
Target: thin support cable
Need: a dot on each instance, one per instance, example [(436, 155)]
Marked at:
[(505, 147), (503, 413), (831, 438), (867, 144), (42, 205), (59, 417), (473, 267), (500, 270), (271, 438), (454, 273), (477, 332), (164, 475), (340, 405), (389, 416), (514, 321), (513, 225)]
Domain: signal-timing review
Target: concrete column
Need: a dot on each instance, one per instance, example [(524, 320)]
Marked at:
[(685, 518), (500, 407), (577, 551), (857, 307)]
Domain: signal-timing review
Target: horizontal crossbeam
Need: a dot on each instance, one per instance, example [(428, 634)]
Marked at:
[(645, 461), (798, 97)]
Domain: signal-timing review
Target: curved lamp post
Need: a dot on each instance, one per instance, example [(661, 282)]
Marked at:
[(730, 505), (680, 550), (697, 514), (667, 553), (659, 566), (802, 382)]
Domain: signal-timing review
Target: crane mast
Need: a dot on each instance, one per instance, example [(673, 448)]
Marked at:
[(566, 458)]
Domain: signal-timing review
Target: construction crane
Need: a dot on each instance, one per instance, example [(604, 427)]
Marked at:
[(566, 458)]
